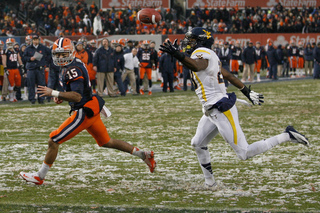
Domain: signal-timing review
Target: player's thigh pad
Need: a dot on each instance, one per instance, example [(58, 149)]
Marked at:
[(206, 131), (71, 127), (230, 129), (99, 131)]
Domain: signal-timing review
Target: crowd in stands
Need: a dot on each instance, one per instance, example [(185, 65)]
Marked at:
[(78, 18)]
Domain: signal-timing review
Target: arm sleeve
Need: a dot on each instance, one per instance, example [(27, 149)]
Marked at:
[(25, 56)]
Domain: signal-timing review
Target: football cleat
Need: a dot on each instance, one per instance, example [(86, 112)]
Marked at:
[(141, 92), (297, 137), (32, 177), (149, 160), (149, 93)]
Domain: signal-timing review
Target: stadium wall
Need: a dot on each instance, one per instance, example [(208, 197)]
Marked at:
[(277, 38)]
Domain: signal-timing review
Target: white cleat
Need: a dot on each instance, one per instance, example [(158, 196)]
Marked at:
[(297, 137), (31, 177)]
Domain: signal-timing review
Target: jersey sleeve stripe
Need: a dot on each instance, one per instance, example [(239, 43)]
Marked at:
[(230, 118), (80, 77), (202, 87), (199, 51)]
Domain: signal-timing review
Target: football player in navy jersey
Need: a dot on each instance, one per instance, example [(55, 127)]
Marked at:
[(10, 60), (85, 111)]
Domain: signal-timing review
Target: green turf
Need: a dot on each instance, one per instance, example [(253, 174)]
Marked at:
[(86, 178)]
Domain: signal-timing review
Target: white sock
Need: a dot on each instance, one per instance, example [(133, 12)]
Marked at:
[(43, 170), (205, 163), (25, 91), (264, 145), (138, 153), (11, 96)]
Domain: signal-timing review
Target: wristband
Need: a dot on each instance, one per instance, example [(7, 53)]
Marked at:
[(55, 93)]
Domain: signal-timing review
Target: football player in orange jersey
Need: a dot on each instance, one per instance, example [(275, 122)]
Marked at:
[(85, 112), (10, 61)]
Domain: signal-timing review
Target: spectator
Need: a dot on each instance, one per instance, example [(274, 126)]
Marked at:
[(103, 64), (118, 68), (308, 64), (224, 56), (286, 65), (249, 59), (130, 62), (97, 25), (273, 61), (167, 65), (316, 56), (87, 22), (37, 57), (279, 52)]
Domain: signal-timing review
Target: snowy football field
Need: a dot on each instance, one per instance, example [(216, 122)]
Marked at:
[(86, 178)]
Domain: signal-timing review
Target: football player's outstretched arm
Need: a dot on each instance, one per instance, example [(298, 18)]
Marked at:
[(255, 98), (232, 79), (195, 64), (67, 96)]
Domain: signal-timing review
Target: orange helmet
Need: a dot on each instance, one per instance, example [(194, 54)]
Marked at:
[(114, 42), (269, 41), (146, 44), (28, 39), (123, 41), (10, 42), (93, 42), (1, 44), (63, 45)]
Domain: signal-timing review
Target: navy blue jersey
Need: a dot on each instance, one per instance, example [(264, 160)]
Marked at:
[(74, 77), (1, 53), (12, 59)]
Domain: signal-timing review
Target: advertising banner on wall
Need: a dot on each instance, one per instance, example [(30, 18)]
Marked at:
[(277, 39), (122, 4), (251, 3)]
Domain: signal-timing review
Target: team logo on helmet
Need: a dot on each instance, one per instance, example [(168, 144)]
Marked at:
[(63, 46), (199, 37)]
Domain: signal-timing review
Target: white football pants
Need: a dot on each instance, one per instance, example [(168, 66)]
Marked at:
[(227, 124)]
